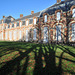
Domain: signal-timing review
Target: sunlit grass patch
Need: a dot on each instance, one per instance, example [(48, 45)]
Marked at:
[(9, 57)]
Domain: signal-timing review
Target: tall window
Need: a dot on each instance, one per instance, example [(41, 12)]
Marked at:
[(45, 18), (34, 21), (73, 32), (46, 34), (6, 35), (58, 33), (26, 35), (27, 23), (34, 34), (73, 12), (58, 15), (2, 35), (15, 35), (10, 35)]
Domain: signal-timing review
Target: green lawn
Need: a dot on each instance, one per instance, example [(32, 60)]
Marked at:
[(19, 58)]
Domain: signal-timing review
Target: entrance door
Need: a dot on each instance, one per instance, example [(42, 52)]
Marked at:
[(45, 34), (58, 33)]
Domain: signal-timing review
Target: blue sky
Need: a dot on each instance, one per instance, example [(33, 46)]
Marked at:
[(17, 7)]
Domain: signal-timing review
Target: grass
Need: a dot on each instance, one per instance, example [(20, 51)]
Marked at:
[(19, 58)]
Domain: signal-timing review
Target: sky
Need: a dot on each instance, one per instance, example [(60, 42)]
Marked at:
[(16, 7)]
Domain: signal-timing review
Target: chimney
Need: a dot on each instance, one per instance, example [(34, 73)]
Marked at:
[(3, 16), (58, 1), (21, 15), (32, 12)]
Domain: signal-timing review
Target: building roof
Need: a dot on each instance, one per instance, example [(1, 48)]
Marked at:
[(63, 5), (6, 19), (27, 17)]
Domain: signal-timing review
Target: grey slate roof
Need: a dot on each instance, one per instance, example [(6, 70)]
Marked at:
[(27, 17), (63, 5), (6, 19)]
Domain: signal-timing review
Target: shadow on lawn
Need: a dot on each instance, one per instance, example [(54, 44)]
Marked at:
[(45, 54), (8, 68), (11, 47), (49, 68)]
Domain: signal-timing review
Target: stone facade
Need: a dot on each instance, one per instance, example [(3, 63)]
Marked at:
[(54, 24)]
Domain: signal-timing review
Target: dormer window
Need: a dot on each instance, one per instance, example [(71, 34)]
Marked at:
[(8, 26), (12, 25), (34, 21), (27, 23), (45, 18), (58, 15), (18, 24), (30, 21), (73, 12), (23, 22)]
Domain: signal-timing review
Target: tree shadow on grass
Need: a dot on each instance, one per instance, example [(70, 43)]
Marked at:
[(9, 66), (45, 61), (12, 48), (66, 50)]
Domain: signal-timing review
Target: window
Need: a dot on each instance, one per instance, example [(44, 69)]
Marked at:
[(12, 25), (5, 27), (58, 33), (2, 35), (6, 35), (27, 23), (18, 24), (45, 18), (26, 35), (34, 34), (8, 26), (45, 34), (10, 35), (23, 22), (30, 21), (34, 21), (15, 35), (73, 32), (58, 15), (73, 12)]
